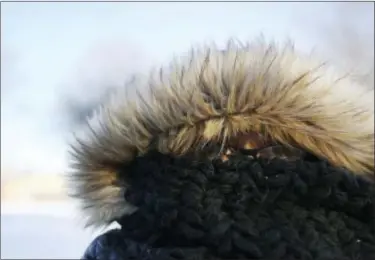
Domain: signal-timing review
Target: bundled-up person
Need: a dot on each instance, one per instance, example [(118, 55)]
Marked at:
[(251, 152)]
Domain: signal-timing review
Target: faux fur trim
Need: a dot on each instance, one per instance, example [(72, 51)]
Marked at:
[(213, 96)]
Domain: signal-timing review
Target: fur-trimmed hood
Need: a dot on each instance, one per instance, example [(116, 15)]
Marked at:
[(211, 98)]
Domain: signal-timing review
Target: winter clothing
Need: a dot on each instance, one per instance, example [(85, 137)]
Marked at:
[(255, 152)]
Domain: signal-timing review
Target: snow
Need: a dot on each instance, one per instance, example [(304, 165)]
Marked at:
[(43, 231)]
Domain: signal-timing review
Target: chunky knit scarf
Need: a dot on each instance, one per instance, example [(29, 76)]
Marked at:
[(243, 208)]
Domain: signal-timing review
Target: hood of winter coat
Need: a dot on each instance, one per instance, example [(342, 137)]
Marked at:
[(247, 96)]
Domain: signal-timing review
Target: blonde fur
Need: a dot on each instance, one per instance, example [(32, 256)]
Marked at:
[(216, 95)]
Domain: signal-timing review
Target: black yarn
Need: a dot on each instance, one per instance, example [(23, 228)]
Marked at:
[(242, 209)]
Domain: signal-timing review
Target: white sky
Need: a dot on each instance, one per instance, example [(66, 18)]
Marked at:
[(48, 48)]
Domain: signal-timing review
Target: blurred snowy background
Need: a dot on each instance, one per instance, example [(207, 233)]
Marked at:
[(58, 60)]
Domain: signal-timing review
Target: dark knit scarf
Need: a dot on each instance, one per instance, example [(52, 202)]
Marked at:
[(243, 208)]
